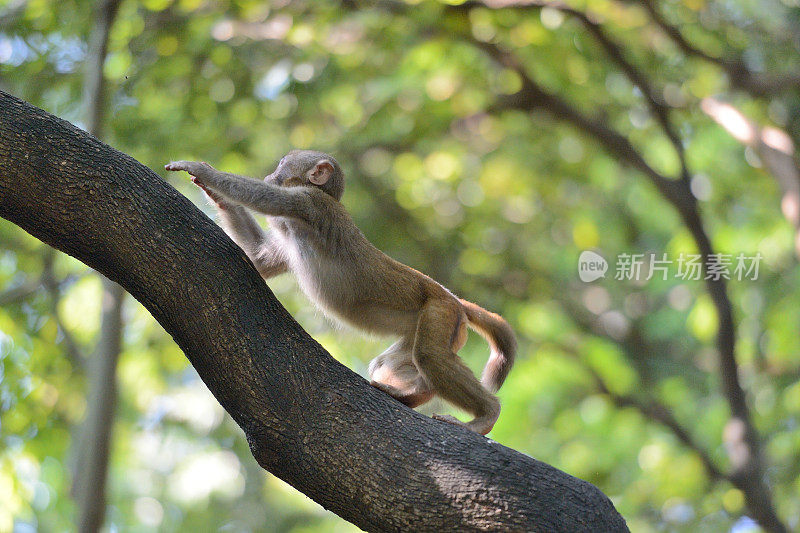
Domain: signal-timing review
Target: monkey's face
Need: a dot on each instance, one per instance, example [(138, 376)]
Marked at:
[(289, 173), (308, 168)]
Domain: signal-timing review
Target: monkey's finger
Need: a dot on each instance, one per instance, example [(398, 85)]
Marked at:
[(200, 184), (214, 197), (205, 189)]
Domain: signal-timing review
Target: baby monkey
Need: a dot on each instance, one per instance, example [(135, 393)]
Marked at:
[(312, 235)]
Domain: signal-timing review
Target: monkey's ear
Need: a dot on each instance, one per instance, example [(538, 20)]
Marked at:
[(321, 173)]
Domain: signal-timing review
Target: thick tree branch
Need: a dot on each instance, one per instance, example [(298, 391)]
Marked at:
[(308, 419)]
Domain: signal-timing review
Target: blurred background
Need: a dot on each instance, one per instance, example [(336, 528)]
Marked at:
[(487, 144)]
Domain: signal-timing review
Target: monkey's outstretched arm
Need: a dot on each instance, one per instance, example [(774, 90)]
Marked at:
[(263, 197), (240, 226)]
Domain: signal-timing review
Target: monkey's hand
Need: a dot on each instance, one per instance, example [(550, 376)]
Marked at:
[(200, 170)]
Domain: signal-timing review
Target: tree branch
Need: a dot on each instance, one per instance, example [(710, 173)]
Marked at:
[(657, 411), (53, 288), (308, 419), (758, 84), (533, 96), (650, 407), (615, 52), (19, 292)]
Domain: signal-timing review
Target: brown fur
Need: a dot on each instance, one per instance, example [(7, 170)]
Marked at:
[(348, 278)]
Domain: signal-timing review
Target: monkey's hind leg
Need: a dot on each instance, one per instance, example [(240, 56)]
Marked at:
[(439, 336), (395, 374)]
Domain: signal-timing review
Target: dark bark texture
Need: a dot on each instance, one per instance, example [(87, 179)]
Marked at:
[(309, 420)]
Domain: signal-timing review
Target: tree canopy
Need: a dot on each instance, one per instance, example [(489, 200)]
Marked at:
[(487, 144)]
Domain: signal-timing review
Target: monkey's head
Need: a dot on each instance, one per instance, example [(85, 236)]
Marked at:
[(309, 168)]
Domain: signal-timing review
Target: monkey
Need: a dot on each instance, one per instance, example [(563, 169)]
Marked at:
[(312, 235)]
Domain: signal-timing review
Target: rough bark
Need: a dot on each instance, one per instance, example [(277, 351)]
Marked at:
[(308, 419)]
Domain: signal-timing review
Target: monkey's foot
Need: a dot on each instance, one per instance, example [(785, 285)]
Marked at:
[(479, 425)]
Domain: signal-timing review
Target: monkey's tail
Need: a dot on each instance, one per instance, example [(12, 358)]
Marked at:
[(502, 343)]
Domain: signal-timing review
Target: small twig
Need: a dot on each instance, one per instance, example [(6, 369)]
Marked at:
[(615, 52), (533, 96), (53, 287)]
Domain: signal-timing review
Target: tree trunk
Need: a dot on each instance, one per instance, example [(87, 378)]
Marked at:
[(308, 419), (95, 439)]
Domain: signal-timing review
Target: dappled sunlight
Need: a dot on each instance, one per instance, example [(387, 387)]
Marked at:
[(492, 145), (199, 476), (731, 119), (193, 405)]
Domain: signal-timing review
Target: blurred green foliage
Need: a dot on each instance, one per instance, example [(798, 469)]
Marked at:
[(495, 205)]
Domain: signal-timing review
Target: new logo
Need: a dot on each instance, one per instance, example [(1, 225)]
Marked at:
[(591, 266)]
